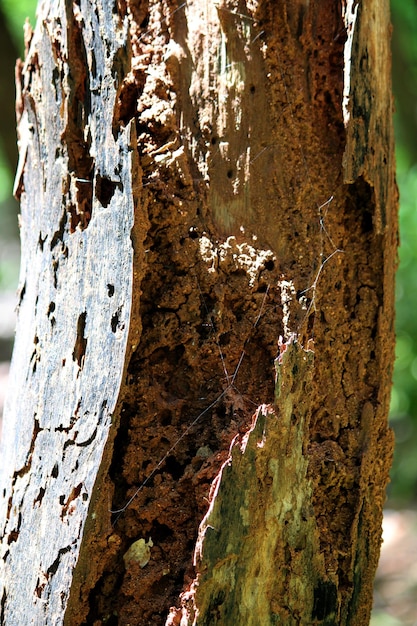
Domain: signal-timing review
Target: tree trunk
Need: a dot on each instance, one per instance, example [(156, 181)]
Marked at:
[(204, 349)]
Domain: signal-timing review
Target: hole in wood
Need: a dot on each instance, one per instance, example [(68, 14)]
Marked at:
[(105, 189), (81, 342)]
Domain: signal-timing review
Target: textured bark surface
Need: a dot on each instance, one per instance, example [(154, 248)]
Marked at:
[(261, 514), (225, 178), (75, 186)]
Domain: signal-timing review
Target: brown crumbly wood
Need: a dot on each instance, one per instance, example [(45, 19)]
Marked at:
[(173, 161)]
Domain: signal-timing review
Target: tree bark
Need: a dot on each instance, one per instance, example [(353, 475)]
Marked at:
[(208, 226)]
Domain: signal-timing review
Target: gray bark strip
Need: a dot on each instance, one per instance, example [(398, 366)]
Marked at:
[(74, 311)]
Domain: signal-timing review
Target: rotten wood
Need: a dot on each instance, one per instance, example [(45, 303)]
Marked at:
[(261, 515), (203, 185)]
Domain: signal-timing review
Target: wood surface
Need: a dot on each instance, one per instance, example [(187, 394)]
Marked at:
[(196, 431)]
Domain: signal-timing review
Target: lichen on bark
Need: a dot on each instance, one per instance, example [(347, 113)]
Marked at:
[(257, 550)]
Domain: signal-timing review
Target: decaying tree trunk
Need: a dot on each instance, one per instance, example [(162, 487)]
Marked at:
[(201, 376)]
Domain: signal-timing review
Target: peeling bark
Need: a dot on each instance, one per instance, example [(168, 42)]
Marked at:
[(226, 192), (76, 273), (261, 515)]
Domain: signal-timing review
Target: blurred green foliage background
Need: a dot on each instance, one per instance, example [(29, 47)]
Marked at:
[(13, 14), (403, 489)]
